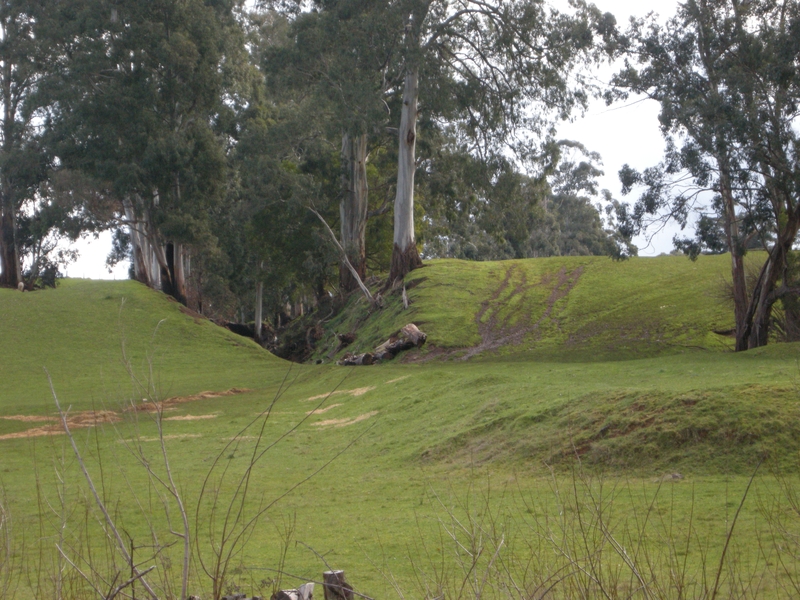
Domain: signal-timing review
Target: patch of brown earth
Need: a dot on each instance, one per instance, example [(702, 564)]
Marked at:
[(154, 406), (319, 411), (192, 417), (172, 436), (30, 418), (345, 422), (78, 420), (356, 392), (91, 418)]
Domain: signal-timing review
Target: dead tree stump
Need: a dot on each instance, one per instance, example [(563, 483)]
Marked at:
[(335, 586)]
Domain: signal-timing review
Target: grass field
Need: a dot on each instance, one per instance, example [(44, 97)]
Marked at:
[(409, 474)]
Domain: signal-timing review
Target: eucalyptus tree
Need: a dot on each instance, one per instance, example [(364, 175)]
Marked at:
[(725, 74), (23, 165), (338, 57), (490, 210), (491, 71), (137, 103)]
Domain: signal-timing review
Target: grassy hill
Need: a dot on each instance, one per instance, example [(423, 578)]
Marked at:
[(570, 308), (614, 363)]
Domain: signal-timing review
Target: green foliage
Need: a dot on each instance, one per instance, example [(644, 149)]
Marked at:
[(490, 211)]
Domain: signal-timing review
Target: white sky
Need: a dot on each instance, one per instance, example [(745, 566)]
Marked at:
[(622, 133)]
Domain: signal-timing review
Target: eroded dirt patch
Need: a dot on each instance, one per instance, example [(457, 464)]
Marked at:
[(319, 411), (345, 422), (172, 436), (147, 406), (192, 417), (92, 418), (499, 326), (78, 420), (355, 392)]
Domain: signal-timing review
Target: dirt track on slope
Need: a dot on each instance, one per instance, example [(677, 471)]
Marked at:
[(514, 327)]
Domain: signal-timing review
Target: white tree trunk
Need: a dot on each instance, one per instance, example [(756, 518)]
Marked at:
[(142, 251), (353, 208), (259, 310), (404, 254)]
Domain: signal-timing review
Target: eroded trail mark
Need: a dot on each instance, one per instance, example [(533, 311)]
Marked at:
[(514, 326)]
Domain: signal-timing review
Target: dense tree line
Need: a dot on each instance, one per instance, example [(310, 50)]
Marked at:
[(218, 139)]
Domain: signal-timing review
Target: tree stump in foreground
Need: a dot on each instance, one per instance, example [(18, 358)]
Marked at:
[(335, 586)]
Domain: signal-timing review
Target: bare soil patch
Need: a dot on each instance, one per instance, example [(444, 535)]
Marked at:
[(345, 422), (169, 402), (319, 411), (355, 392), (192, 417), (90, 418), (78, 420)]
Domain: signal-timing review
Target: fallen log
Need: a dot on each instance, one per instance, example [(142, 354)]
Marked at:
[(409, 337), (357, 360)]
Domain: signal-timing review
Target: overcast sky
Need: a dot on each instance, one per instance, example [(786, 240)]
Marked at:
[(621, 133)]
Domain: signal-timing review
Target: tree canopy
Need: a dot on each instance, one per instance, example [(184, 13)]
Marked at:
[(224, 143), (725, 74)]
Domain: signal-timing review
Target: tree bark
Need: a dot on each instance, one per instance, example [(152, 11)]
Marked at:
[(142, 252), (405, 257), (353, 209), (335, 587), (173, 282), (10, 267), (739, 284), (259, 311)]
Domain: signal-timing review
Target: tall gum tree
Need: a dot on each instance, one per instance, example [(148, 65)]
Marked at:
[(340, 54), (135, 105), (496, 72), (726, 77), (22, 165)]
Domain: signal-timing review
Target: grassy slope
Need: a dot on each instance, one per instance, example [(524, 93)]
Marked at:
[(77, 333), (433, 426), (571, 308)]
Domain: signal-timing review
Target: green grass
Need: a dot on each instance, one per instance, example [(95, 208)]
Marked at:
[(623, 370), (568, 308)]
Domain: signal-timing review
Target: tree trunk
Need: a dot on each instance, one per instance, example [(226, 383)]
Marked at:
[(10, 267), (405, 257), (737, 260), (335, 587), (353, 209), (259, 311), (763, 297), (142, 251), (172, 281)]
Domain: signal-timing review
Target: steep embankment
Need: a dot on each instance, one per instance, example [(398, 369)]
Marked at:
[(88, 334), (566, 308)]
